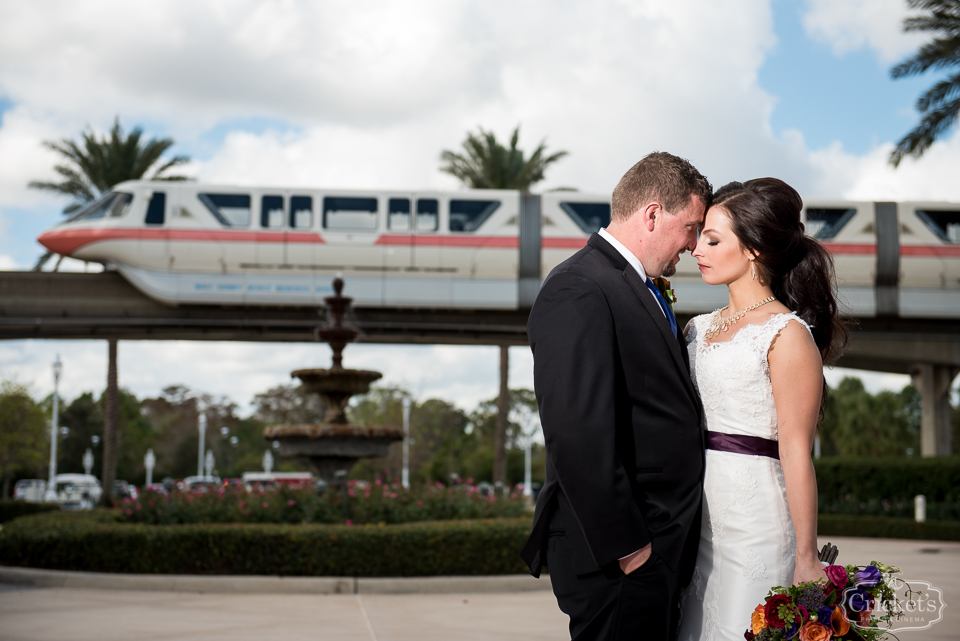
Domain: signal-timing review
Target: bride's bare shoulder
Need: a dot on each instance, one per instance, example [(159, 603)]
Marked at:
[(793, 343)]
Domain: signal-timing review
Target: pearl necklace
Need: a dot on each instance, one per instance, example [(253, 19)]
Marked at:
[(720, 324)]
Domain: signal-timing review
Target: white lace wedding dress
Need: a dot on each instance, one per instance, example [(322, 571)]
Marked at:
[(747, 541)]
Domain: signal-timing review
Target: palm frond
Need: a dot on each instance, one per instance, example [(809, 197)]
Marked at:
[(937, 54), (488, 164), (939, 106), (95, 164), (933, 124)]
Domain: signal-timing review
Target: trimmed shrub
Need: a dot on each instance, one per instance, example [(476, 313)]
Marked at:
[(887, 486), (886, 528), (11, 509), (96, 542), (374, 503)]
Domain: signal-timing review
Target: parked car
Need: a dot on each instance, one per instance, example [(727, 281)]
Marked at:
[(295, 480), (30, 490), (200, 483), (124, 490), (158, 488), (77, 491)]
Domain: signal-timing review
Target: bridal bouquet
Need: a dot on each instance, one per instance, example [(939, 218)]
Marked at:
[(851, 604)]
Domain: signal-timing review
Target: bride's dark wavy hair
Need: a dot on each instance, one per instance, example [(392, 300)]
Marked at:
[(765, 216)]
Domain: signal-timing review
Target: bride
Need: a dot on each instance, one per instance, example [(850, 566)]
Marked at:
[(758, 366)]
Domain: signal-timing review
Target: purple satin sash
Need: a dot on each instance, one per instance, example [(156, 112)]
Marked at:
[(743, 444)]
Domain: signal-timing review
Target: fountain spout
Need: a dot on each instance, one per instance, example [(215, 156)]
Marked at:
[(335, 445)]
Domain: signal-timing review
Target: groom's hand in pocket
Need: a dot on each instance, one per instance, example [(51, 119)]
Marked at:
[(633, 561)]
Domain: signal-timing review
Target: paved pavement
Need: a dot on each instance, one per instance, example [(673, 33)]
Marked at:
[(55, 614)]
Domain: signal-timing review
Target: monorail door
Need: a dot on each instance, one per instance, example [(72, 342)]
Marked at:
[(152, 246)]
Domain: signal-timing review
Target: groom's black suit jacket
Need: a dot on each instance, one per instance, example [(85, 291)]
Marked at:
[(620, 417)]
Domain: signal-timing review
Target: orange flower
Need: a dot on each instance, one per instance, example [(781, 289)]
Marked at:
[(839, 622), (813, 631), (757, 620)]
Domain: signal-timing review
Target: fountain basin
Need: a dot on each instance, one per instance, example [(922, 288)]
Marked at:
[(337, 379), (333, 447)]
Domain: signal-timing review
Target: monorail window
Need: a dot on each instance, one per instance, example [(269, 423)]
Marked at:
[(232, 210), (113, 204), (271, 212), (350, 213), (468, 215), (301, 212), (590, 217), (398, 214), (945, 224), (428, 214), (155, 210), (824, 223)]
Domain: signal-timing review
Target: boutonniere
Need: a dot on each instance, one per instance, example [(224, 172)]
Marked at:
[(665, 290)]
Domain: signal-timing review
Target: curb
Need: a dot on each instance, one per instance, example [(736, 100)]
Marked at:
[(271, 584)]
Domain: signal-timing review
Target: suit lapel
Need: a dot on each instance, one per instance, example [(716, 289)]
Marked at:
[(653, 308), (650, 304)]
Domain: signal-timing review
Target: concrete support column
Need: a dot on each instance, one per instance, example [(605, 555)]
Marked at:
[(933, 382), (111, 421), (503, 414)]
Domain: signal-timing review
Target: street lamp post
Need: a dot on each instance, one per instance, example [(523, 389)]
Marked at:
[(149, 461), (405, 474), (527, 484), (51, 493), (202, 428), (208, 463), (87, 461)]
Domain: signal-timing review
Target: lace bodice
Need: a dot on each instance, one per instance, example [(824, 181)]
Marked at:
[(747, 540), (733, 376)]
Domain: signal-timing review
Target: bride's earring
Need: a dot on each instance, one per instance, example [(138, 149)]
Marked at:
[(753, 271)]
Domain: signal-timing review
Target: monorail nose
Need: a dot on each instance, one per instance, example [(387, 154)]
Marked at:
[(65, 242)]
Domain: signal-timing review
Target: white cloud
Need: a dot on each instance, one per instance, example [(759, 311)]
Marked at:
[(7, 263), (367, 94), (851, 25), (463, 375), (871, 177), (873, 381)]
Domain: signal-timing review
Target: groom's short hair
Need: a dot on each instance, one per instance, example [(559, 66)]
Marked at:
[(662, 177)]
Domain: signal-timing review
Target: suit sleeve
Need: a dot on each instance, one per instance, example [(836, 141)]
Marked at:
[(576, 360)]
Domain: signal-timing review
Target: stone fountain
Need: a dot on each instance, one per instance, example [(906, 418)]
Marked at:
[(336, 444)]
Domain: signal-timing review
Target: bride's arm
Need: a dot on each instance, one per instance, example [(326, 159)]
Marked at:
[(796, 373)]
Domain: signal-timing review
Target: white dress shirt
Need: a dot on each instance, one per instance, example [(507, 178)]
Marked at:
[(631, 258)]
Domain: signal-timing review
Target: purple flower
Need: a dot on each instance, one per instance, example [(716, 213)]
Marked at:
[(868, 576), (857, 600), (824, 614)]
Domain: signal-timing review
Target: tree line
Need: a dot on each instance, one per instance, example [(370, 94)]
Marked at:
[(448, 442)]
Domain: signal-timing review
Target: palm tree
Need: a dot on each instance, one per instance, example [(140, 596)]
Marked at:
[(93, 167), (96, 164), (487, 164), (940, 105)]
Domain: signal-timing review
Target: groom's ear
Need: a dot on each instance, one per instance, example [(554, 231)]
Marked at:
[(650, 214)]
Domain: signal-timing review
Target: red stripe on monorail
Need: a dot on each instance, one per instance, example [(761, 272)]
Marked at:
[(408, 240), (939, 251), (855, 249), (919, 251), (563, 243), (67, 241)]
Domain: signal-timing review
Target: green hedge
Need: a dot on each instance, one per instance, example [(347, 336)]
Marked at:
[(887, 486), (96, 542), (886, 528), (11, 509)]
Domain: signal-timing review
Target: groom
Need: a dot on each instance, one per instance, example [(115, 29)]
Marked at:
[(618, 521)]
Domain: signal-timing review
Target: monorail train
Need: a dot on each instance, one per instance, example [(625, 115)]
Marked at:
[(191, 243)]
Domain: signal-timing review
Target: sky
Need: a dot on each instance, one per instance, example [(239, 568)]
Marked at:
[(364, 94)]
